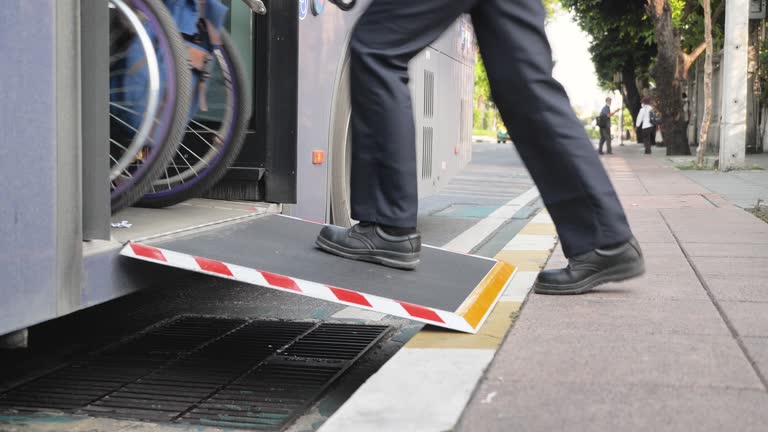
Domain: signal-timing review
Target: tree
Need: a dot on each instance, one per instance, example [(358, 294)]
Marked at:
[(647, 38), (673, 63), (621, 41), (707, 83)]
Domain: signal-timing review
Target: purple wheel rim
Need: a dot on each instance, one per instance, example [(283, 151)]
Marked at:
[(161, 132), (227, 141)]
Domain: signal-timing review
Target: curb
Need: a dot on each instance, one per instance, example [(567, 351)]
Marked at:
[(427, 384)]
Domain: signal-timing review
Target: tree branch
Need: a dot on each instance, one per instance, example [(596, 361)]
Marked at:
[(689, 59)]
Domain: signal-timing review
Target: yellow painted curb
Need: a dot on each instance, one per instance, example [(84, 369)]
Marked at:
[(539, 229), (524, 260), (489, 336)]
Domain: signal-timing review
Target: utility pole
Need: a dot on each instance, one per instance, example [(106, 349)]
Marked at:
[(621, 122), (733, 129), (618, 78)]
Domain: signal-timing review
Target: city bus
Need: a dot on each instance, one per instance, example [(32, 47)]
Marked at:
[(60, 249)]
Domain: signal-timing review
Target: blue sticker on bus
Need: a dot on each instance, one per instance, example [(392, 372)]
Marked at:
[(303, 8)]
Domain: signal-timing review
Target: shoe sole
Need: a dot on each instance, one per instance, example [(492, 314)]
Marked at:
[(399, 261), (614, 274)]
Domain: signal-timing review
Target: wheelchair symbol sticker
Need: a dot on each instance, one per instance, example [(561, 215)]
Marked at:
[(303, 8)]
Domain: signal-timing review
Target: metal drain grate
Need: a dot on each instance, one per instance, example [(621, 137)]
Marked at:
[(210, 371)]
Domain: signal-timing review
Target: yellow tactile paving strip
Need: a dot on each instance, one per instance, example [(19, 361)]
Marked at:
[(539, 228), (524, 260), (504, 313)]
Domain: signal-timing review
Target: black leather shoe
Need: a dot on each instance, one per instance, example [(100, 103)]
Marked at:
[(585, 272), (368, 242)]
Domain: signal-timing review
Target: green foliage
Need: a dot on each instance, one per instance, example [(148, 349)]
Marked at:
[(623, 34), (551, 6), (628, 123), (482, 85), (592, 132), (485, 113), (484, 132), (690, 22)]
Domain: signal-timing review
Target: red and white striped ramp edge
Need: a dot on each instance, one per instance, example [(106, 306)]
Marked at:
[(469, 318)]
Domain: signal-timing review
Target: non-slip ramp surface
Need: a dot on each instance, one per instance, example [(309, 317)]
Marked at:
[(448, 289), (230, 373)]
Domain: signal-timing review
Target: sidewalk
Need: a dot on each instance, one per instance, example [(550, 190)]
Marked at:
[(742, 188), (684, 348)]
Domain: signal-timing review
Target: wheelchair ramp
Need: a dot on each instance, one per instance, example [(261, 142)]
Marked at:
[(450, 290)]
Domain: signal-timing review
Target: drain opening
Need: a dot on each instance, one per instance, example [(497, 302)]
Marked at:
[(207, 371)]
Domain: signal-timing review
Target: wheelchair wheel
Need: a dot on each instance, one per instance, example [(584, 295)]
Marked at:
[(149, 96), (213, 138)]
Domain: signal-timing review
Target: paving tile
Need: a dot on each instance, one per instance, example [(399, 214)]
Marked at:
[(749, 319), (743, 288), (674, 188), (725, 237), (726, 250), (735, 267), (619, 358), (656, 286), (661, 249), (718, 200), (665, 263), (665, 201), (638, 215), (660, 235), (512, 405), (585, 314), (681, 218), (720, 227), (758, 351)]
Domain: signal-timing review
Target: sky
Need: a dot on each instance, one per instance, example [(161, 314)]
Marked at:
[(573, 64)]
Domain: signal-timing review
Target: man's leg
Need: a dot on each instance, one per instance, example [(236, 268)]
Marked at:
[(387, 36), (553, 143), (602, 140), (608, 139), (384, 194)]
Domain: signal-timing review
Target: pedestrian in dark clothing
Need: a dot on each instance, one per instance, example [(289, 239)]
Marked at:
[(645, 126), (604, 123), (550, 139)]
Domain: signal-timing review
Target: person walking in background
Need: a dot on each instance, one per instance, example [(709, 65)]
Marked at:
[(645, 128), (552, 142), (604, 123)]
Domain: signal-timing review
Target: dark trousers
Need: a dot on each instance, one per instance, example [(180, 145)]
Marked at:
[(648, 135), (605, 138), (549, 138)]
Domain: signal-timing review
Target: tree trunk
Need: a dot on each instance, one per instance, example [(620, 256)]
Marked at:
[(707, 84), (630, 92), (669, 66)]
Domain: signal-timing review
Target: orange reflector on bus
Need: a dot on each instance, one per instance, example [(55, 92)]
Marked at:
[(318, 157)]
